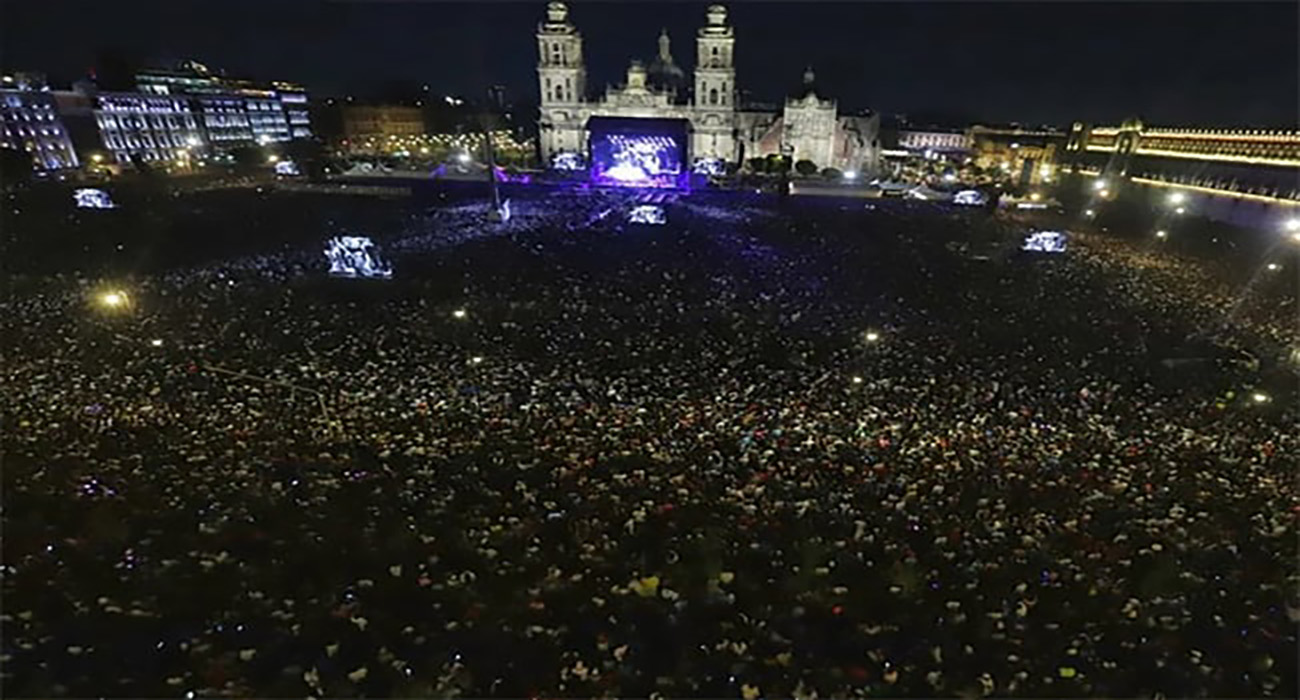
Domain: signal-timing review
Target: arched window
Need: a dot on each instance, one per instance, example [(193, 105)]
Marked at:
[(555, 53), (559, 93), (713, 96)]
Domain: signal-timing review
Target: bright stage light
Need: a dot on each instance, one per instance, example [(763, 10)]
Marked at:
[(857, 380), (709, 166), (477, 359), (567, 161), (355, 256), (91, 198), (647, 214), (1259, 398), (459, 314), (1180, 210), (1292, 225), (156, 342), (1089, 213), (113, 299), (872, 336), (850, 174), (463, 157), (1161, 234), (1104, 193), (1099, 185), (1177, 198), (1045, 242), (1274, 267)]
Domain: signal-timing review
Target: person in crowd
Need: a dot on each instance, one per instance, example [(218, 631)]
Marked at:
[(809, 453)]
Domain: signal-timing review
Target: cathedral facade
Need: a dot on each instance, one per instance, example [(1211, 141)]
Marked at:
[(808, 127)]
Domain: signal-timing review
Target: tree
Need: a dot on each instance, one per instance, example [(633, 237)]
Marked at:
[(757, 164), (778, 164), (805, 167)]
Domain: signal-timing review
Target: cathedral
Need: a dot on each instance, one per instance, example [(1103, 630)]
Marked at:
[(808, 127)]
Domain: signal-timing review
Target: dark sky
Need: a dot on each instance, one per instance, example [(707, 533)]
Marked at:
[(1204, 63)]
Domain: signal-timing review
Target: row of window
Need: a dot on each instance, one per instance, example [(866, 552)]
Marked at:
[(151, 140), (1259, 150), (25, 116), (153, 106), (107, 123), (25, 130), (123, 156)]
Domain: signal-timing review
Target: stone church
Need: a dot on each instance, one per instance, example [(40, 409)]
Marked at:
[(808, 127)]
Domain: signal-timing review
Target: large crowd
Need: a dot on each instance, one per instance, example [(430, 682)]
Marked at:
[(798, 450)]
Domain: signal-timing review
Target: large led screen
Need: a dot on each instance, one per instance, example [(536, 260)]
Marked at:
[(638, 152)]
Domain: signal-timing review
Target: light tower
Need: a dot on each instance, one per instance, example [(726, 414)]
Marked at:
[(715, 86), (562, 79)]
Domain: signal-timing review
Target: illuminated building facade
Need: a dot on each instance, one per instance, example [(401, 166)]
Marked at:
[(1245, 176), (154, 128), (938, 141), (808, 127), (1255, 160), (368, 122), (234, 112), (1026, 156), (225, 120), (293, 100), (30, 122)]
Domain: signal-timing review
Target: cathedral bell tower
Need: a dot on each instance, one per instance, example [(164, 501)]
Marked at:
[(715, 88), (715, 74), (561, 79)]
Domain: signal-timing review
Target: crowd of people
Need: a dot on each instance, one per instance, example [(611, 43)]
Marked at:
[(799, 450)]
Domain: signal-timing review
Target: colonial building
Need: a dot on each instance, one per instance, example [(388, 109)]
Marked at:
[(808, 127), (30, 122)]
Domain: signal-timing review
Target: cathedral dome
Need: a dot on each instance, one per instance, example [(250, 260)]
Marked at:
[(809, 85), (663, 74)]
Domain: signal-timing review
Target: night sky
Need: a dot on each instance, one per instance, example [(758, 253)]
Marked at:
[(1170, 63)]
